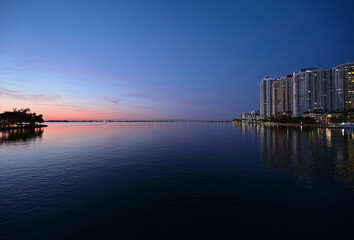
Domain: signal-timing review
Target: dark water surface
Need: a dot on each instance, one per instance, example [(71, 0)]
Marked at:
[(176, 181)]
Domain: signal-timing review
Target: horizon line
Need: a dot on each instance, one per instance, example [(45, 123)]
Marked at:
[(142, 120)]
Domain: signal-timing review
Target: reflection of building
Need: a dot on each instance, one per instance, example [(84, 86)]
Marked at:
[(282, 92), (343, 77), (309, 154), (266, 97), (254, 129), (312, 91)]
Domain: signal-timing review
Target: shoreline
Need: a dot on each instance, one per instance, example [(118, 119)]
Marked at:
[(307, 125), (25, 127), (296, 125)]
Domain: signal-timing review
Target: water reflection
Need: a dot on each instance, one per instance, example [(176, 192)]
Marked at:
[(20, 135), (308, 154), (173, 175)]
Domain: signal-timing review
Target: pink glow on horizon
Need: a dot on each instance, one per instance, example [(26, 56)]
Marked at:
[(78, 113)]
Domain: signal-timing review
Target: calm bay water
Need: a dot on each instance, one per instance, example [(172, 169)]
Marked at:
[(176, 181)]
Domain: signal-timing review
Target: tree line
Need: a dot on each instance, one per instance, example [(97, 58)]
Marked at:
[(20, 118)]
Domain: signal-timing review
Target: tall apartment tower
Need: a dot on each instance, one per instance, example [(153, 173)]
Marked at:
[(266, 97), (343, 78), (312, 91), (282, 95)]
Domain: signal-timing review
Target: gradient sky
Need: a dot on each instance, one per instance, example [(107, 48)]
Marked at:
[(81, 60)]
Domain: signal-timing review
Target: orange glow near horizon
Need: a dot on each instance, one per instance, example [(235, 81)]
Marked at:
[(64, 114)]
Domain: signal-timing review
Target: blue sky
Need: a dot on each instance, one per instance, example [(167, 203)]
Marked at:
[(161, 59)]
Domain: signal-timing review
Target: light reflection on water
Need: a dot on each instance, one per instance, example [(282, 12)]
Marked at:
[(20, 135), (175, 180), (308, 154)]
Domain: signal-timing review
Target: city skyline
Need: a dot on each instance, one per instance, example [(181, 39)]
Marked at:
[(131, 60), (308, 90)]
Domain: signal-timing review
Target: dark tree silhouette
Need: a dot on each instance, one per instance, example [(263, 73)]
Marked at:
[(20, 118)]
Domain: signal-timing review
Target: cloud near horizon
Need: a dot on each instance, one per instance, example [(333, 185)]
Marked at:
[(112, 100)]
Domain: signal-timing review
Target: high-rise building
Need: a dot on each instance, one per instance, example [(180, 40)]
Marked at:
[(309, 90), (343, 78), (266, 97), (312, 91), (282, 95)]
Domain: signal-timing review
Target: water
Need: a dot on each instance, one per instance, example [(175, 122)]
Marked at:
[(176, 181)]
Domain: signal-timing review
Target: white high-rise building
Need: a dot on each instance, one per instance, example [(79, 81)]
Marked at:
[(343, 78), (282, 95), (266, 97), (312, 91)]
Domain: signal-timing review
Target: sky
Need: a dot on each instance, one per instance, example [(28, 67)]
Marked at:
[(130, 60)]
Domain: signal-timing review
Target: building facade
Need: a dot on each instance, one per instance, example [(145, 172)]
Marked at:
[(343, 78), (255, 112), (266, 97), (250, 117), (309, 90), (282, 95), (312, 91)]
